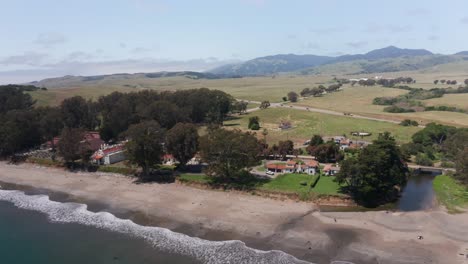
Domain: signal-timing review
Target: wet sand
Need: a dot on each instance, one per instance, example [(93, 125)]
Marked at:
[(297, 228)]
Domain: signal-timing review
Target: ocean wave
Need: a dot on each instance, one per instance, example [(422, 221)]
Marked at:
[(160, 238)]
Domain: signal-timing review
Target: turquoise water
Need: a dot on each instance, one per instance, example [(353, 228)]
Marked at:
[(34, 229)]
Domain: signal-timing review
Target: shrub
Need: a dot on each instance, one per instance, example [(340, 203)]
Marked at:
[(409, 122), (423, 160), (397, 109)]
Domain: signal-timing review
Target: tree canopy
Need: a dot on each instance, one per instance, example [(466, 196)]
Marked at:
[(376, 174), (145, 145), (229, 153), (182, 142)]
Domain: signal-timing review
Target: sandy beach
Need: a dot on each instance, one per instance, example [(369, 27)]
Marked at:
[(297, 228)]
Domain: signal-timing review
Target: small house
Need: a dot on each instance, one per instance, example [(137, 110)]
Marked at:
[(291, 166), (311, 167), (276, 167), (109, 154), (169, 160), (331, 170), (91, 139)]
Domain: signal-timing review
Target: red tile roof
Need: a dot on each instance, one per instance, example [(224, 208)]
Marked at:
[(312, 163), (276, 166)]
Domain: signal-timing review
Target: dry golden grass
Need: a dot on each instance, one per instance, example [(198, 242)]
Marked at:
[(357, 99), (457, 100)]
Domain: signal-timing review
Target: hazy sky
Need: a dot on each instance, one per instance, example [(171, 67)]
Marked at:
[(57, 37)]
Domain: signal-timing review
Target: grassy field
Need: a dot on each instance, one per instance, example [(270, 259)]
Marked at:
[(457, 100), (450, 193), (306, 124), (290, 183), (327, 185), (358, 100), (248, 88)]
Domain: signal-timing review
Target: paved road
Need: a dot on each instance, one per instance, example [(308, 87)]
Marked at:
[(323, 111)]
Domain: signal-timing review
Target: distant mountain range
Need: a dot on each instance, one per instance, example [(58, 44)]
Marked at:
[(389, 59), (69, 80)]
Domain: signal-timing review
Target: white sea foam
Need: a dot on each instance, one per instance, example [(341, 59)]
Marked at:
[(160, 238)]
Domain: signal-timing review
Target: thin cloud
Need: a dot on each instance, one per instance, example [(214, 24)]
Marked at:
[(464, 20), (311, 46), (140, 50), (376, 28), (433, 37), (29, 58), (357, 44), (50, 39), (418, 12), (328, 30)]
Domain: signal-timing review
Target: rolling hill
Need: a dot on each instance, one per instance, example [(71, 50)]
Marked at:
[(389, 59)]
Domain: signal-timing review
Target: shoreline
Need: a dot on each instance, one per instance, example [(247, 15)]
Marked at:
[(297, 228)]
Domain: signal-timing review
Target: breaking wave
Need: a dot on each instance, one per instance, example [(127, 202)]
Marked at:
[(160, 238)]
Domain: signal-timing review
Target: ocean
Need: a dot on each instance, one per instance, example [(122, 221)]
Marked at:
[(36, 229)]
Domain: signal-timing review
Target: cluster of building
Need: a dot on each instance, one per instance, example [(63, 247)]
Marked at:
[(105, 154), (310, 167), (346, 143)]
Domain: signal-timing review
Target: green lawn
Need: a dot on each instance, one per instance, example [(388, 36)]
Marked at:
[(327, 185), (289, 183), (286, 183), (198, 178), (450, 193)]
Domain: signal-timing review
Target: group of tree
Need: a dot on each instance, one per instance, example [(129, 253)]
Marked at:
[(292, 97), (409, 122), (239, 107), (325, 152), (280, 150), (449, 82), (154, 124), (385, 82), (22, 125), (229, 154), (317, 91), (439, 142), (376, 174), (265, 104)]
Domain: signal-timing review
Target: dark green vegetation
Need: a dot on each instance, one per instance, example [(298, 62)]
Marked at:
[(325, 152), (439, 143), (228, 154), (145, 146), (254, 123), (376, 174), (409, 122), (142, 117), (182, 142)]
